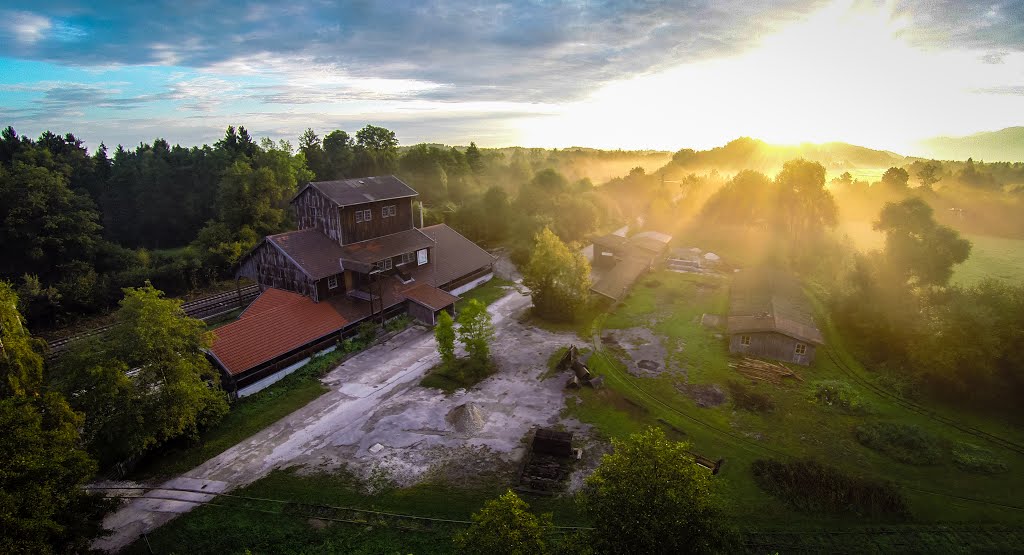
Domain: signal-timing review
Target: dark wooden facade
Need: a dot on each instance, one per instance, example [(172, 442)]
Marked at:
[(269, 267), (772, 345), (313, 210), (378, 225)]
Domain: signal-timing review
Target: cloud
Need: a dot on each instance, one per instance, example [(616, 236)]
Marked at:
[(504, 51), (26, 28)]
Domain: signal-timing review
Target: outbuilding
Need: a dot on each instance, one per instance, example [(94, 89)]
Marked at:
[(770, 317)]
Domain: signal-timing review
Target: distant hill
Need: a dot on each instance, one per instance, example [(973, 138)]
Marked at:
[(755, 154), (1006, 145)]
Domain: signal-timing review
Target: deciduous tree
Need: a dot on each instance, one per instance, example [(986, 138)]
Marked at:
[(444, 332), (476, 332), (505, 525), (923, 251), (558, 278), (144, 382), (649, 496)]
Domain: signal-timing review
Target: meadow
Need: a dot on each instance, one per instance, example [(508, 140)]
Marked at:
[(991, 257)]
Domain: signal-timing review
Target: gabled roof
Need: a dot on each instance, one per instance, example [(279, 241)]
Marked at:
[(454, 256), (361, 256), (349, 192), (312, 251), (768, 301), (275, 323), (430, 296), (616, 283)]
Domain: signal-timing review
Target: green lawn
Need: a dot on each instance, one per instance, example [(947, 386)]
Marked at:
[(991, 257), (487, 293), (265, 527), (799, 426)]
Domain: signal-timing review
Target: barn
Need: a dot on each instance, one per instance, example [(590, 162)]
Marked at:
[(770, 317)]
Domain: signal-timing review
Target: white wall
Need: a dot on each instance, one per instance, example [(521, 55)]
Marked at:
[(277, 376), (472, 285)]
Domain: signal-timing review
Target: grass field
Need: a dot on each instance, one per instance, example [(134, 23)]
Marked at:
[(798, 427), (991, 257), (487, 293)]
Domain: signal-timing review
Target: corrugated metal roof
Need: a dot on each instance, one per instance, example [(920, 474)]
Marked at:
[(430, 296), (771, 301), (315, 253), (360, 256), (615, 284), (348, 192), (455, 256)]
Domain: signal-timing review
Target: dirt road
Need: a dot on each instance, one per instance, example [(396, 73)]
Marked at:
[(376, 417)]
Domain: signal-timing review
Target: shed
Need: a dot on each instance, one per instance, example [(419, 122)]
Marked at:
[(770, 317)]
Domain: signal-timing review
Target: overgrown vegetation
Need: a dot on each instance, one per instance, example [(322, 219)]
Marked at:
[(841, 396), (810, 486), (902, 442), (744, 397), (475, 332), (977, 459)]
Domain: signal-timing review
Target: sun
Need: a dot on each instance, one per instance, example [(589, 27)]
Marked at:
[(847, 72)]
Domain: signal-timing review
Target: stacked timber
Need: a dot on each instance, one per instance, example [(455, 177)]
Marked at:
[(772, 372)]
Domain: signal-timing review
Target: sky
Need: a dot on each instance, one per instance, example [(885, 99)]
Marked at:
[(630, 75)]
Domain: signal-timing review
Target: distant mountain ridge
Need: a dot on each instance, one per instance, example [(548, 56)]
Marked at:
[(755, 154), (1005, 145)]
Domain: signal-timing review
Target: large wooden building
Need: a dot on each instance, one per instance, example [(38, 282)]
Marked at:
[(356, 255), (770, 317)]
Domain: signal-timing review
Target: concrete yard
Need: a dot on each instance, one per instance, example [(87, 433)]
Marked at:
[(376, 420)]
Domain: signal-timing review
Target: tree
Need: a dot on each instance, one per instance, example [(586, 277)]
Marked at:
[(444, 332), (376, 151), (146, 381), (896, 178), (805, 207), (505, 525), (929, 175), (476, 332), (558, 278), (649, 496), (474, 158), (338, 149), (922, 251), (43, 508)]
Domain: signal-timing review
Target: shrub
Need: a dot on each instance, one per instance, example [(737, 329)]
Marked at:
[(398, 323), (839, 395), (747, 399), (366, 332), (810, 486), (973, 458), (904, 443)]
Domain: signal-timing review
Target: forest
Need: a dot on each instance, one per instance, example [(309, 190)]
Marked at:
[(118, 235)]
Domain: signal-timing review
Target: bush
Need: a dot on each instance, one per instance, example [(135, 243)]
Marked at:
[(973, 458), (747, 399), (838, 394), (904, 443), (398, 323), (810, 486)]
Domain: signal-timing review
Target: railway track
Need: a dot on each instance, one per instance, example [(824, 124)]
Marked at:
[(203, 308)]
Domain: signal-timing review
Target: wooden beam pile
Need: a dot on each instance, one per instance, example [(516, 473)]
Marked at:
[(772, 372)]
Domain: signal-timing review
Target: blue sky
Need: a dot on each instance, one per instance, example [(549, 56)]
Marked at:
[(606, 74)]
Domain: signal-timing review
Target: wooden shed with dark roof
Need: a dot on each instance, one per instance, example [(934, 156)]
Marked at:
[(770, 317)]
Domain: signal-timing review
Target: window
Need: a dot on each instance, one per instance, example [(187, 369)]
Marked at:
[(745, 340), (332, 282), (359, 216), (407, 258), (421, 257), (393, 210), (801, 349), (383, 265), (367, 215), (388, 211)]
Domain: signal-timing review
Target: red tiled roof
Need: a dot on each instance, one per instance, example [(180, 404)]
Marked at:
[(454, 256), (430, 296), (275, 323), (315, 253)]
